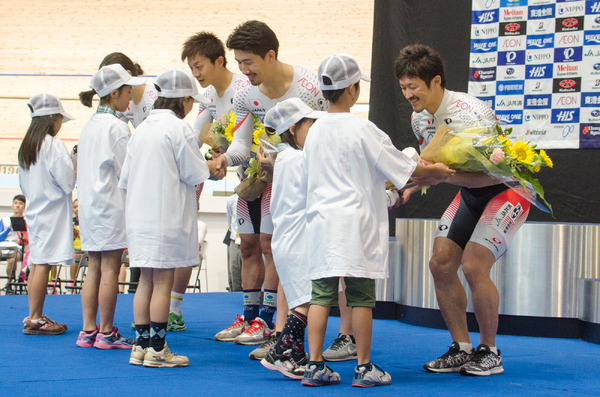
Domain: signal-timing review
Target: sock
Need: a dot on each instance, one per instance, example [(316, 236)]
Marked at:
[(176, 299), (320, 364), (494, 349), (293, 335), (467, 347), (269, 306), (142, 335), (251, 304), (368, 366), (347, 336), (158, 332)]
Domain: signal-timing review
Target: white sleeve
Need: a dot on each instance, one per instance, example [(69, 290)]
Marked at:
[(204, 117), (61, 168), (239, 150), (193, 169)]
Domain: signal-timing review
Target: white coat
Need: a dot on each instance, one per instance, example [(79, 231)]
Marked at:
[(47, 185), (288, 209), (348, 160), (101, 152), (162, 167)]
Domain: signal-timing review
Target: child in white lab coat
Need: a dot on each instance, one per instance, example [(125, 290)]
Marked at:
[(162, 168), (101, 152), (47, 178)]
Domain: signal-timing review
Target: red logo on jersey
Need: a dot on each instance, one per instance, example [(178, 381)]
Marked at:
[(255, 103), (570, 22), (496, 241), (512, 27)]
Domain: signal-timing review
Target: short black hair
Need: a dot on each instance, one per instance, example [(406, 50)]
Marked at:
[(254, 37), (420, 61), (20, 197), (204, 44), (334, 95)]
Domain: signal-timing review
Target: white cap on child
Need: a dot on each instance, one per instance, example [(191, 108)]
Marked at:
[(47, 104), (112, 77), (342, 70), (288, 112), (178, 83)]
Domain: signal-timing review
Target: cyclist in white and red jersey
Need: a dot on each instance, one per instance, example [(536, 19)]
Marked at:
[(476, 228), (255, 47)]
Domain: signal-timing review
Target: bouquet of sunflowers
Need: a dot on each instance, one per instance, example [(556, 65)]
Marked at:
[(219, 134), (489, 149), (257, 178)]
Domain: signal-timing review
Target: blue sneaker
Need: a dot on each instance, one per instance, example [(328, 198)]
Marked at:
[(370, 375), (313, 376)]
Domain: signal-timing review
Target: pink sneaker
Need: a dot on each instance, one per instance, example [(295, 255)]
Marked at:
[(86, 339), (43, 326), (114, 340)]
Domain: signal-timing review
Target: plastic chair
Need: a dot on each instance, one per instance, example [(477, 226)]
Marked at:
[(82, 267)]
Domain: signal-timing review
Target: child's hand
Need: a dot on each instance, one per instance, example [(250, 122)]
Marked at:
[(434, 174), (265, 160)]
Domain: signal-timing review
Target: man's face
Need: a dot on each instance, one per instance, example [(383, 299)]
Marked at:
[(18, 207), (252, 66), (420, 96), (202, 69)]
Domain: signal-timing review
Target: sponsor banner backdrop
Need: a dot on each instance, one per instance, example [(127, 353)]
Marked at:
[(537, 63)]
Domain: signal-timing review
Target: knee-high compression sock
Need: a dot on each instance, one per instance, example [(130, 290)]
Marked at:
[(292, 336), (142, 335), (251, 304), (158, 332), (269, 306)]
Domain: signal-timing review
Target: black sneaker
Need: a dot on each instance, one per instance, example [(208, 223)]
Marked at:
[(285, 364), (451, 361), (483, 363)]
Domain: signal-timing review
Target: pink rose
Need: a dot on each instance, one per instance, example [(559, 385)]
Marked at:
[(497, 156)]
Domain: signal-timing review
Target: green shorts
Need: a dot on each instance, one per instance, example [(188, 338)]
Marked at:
[(360, 292)]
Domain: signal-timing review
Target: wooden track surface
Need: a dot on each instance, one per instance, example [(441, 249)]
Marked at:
[(70, 38)]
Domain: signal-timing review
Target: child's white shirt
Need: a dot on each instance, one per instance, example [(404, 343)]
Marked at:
[(162, 168), (100, 155), (348, 160), (47, 185), (288, 206)]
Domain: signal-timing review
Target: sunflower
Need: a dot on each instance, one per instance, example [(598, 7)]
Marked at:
[(546, 158), (521, 152)]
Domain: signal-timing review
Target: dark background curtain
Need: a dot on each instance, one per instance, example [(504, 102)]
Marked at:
[(571, 186)]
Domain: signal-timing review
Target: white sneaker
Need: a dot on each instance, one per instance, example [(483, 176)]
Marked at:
[(234, 330), (137, 355), (257, 333), (164, 358)]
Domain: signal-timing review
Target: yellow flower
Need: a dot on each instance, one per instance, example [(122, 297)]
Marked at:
[(521, 152), (546, 158), (229, 132), (255, 135)]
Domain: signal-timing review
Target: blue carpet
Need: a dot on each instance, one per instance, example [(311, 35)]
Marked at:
[(55, 366)]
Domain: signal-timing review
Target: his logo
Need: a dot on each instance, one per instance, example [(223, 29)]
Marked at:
[(567, 83), (570, 22)]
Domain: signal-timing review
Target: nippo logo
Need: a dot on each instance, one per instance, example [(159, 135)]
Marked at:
[(512, 27), (570, 22), (567, 83)]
